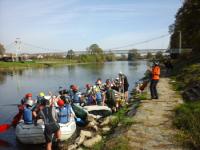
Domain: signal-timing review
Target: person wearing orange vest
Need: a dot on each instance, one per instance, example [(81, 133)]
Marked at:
[(154, 81)]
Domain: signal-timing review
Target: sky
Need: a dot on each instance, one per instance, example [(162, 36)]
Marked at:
[(60, 25)]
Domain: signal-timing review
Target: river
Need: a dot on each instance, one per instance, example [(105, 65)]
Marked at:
[(16, 83)]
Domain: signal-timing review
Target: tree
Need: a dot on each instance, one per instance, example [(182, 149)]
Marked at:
[(95, 49), (149, 55), (70, 54), (159, 56), (133, 54), (110, 56), (2, 49), (187, 21)]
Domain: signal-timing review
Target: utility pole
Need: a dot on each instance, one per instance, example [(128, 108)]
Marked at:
[(180, 41), (18, 47)]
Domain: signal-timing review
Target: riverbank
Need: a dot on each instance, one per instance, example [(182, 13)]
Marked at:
[(41, 64), (152, 126)]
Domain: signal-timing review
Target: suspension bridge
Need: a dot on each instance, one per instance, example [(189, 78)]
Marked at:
[(19, 47)]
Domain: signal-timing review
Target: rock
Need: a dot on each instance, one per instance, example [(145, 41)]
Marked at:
[(89, 143), (80, 140), (87, 134), (105, 122), (91, 117), (72, 147), (105, 130)]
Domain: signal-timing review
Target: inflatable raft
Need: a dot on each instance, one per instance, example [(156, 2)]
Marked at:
[(31, 134)]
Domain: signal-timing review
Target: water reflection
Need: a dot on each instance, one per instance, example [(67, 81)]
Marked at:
[(14, 84)]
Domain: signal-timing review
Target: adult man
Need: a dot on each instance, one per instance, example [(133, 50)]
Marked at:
[(50, 117), (124, 81), (154, 81)]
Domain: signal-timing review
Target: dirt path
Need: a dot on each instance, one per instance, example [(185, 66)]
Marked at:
[(153, 129)]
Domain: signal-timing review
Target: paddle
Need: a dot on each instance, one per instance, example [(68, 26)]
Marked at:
[(4, 127)]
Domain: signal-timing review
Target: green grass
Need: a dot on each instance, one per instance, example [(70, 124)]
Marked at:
[(121, 118), (187, 119), (117, 143)]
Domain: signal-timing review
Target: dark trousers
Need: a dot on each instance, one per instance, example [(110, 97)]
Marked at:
[(153, 89)]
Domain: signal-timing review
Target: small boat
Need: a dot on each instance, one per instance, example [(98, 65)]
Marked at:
[(31, 134), (102, 111)]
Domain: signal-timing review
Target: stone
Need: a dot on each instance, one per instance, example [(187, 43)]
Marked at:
[(80, 140), (91, 142), (72, 147), (92, 125), (105, 122), (87, 134), (105, 130), (91, 117)]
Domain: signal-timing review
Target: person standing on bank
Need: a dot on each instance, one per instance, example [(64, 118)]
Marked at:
[(154, 80), (124, 81)]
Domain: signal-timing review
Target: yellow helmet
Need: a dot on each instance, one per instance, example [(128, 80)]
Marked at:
[(42, 94)]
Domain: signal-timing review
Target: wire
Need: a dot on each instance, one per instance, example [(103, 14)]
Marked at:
[(141, 42)]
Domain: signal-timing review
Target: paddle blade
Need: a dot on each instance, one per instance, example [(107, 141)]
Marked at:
[(16, 119), (4, 127)]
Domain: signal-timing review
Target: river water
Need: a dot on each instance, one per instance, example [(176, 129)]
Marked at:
[(16, 83)]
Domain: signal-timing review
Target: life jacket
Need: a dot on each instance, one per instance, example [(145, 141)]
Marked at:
[(75, 97), (64, 114), (90, 100), (98, 93), (27, 115), (156, 73)]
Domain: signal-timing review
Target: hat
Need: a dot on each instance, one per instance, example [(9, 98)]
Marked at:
[(47, 97), (60, 103)]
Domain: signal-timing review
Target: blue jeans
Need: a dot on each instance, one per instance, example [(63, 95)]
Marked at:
[(153, 89)]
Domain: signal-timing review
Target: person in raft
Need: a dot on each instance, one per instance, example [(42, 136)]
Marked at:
[(155, 71)]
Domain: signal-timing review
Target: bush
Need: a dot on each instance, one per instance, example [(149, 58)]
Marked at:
[(187, 119)]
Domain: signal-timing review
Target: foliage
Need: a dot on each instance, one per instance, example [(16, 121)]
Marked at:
[(159, 56), (70, 54), (2, 49), (95, 49), (120, 117), (149, 55), (110, 57), (187, 21), (133, 54), (187, 120)]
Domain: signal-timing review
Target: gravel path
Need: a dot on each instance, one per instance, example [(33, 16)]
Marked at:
[(153, 128)]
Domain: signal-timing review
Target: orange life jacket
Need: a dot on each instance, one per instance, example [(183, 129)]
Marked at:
[(156, 73)]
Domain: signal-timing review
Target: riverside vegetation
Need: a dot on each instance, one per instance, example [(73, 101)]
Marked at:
[(187, 73)]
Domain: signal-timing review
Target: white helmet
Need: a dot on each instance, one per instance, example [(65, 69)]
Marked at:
[(29, 102), (156, 62), (47, 97)]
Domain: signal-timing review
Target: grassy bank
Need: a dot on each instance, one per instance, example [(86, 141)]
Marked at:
[(186, 72), (37, 63), (120, 123)]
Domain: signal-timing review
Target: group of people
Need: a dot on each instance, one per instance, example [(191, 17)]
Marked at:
[(58, 109)]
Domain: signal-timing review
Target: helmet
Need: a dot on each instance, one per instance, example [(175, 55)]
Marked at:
[(28, 95), (29, 102), (156, 62), (75, 88), (60, 103), (98, 82), (41, 94), (47, 97), (120, 73), (88, 85)]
